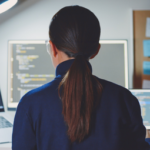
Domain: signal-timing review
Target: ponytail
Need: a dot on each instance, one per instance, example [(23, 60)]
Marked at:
[(74, 30), (78, 98)]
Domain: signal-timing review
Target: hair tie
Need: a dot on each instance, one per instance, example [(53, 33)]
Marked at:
[(77, 54)]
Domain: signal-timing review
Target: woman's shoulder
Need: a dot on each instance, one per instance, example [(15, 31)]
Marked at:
[(115, 90), (111, 85), (40, 94), (120, 98)]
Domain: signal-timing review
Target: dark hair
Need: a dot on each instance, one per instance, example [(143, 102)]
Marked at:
[(76, 30)]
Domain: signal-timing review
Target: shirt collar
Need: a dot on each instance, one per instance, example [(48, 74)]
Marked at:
[(64, 66)]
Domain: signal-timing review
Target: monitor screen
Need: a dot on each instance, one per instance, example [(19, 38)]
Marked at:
[(29, 66), (144, 99)]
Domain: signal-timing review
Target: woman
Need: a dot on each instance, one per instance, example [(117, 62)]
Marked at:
[(77, 111)]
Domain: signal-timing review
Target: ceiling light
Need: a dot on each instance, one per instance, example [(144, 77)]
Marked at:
[(6, 4)]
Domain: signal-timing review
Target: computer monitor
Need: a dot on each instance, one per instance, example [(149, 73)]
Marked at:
[(144, 99), (29, 66)]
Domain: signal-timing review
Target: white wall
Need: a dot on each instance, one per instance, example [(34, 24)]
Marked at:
[(31, 20)]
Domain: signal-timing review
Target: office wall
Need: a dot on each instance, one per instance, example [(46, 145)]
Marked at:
[(31, 19)]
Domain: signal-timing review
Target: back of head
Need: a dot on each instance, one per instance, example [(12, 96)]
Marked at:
[(76, 31)]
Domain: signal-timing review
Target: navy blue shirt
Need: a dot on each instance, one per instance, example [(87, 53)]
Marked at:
[(116, 123)]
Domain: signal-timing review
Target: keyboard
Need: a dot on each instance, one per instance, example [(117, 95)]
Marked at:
[(4, 123)]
